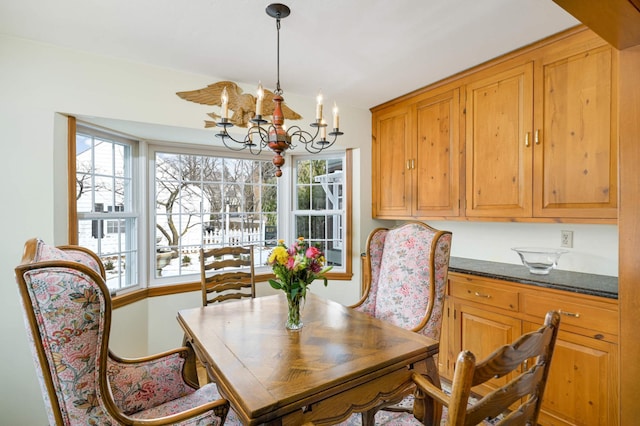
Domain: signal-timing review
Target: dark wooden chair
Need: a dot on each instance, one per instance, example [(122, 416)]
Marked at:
[(227, 284), (518, 401)]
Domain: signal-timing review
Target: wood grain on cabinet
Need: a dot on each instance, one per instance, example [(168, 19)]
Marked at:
[(391, 155), (435, 177), (578, 315), (483, 331), (575, 163), (415, 152), (617, 21), (498, 143), (475, 290), (447, 355), (537, 133), (582, 388), (582, 384)]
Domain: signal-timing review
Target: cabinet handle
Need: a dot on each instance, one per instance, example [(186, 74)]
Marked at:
[(486, 296), (408, 164), (569, 314), (526, 139), (413, 163), (537, 137)]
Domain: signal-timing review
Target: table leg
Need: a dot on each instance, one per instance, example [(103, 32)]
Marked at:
[(425, 408), (368, 417)]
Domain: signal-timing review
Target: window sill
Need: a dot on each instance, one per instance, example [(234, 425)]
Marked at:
[(141, 294)]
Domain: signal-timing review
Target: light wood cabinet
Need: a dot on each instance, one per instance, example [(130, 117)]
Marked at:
[(391, 158), (575, 130), (582, 384), (416, 158), (537, 130), (482, 331), (549, 152), (498, 146), (582, 388), (435, 176)]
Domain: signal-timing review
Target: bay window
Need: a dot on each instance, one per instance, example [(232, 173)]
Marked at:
[(147, 208)]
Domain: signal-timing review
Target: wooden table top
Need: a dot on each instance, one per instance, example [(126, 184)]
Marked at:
[(267, 371)]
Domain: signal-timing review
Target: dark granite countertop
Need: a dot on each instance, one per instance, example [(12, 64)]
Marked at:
[(577, 282)]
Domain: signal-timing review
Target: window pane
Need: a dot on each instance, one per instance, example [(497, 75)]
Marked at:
[(103, 157), (269, 199), (302, 227), (303, 193), (268, 173), (319, 197), (320, 209), (303, 171), (317, 228), (206, 201), (104, 185)]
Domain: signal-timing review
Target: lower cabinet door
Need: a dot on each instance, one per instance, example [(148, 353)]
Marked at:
[(482, 332), (582, 385)]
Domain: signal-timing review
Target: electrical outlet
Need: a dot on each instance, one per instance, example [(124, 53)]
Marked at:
[(566, 239)]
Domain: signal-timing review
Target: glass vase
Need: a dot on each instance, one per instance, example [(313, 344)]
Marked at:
[(294, 320)]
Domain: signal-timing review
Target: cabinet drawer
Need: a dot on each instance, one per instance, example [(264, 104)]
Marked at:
[(482, 292), (593, 318)]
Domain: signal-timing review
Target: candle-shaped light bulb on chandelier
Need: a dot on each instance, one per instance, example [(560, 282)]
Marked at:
[(224, 100), (319, 107), (259, 97)]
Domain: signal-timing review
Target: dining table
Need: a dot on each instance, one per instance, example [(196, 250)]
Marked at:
[(340, 362)]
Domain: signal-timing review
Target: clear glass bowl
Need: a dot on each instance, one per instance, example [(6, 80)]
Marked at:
[(539, 260)]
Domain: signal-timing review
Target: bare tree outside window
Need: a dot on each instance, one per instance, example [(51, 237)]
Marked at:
[(208, 201)]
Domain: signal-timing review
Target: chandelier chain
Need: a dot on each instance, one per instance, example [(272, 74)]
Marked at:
[(278, 89)]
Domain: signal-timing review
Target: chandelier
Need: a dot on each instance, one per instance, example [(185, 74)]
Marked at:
[(262, 134)]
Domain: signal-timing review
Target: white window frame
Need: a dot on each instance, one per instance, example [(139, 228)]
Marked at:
[(143, 204), (154, 148), (290, 201), (131, 217)]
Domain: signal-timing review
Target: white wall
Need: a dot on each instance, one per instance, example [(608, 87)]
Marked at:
[(38, 81), (595, 247)]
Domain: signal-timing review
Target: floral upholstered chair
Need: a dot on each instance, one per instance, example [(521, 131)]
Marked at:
[(68, 317), (408, 268)]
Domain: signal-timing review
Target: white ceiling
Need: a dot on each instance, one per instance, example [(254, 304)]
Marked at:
[(361, 53)]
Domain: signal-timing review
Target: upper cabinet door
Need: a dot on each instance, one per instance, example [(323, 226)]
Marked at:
[(391, 153), (575, 173), (436, 175), (499, 143)]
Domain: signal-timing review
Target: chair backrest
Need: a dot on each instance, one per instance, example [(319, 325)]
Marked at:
[(68, 314), (533, 351), (218, 284), (408, 269)]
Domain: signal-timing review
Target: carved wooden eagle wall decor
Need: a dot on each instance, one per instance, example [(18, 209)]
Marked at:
[(243, 105)]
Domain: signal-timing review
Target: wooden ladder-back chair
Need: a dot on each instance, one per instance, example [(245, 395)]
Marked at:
[(67, 310), (533, 351), (231, 284)]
